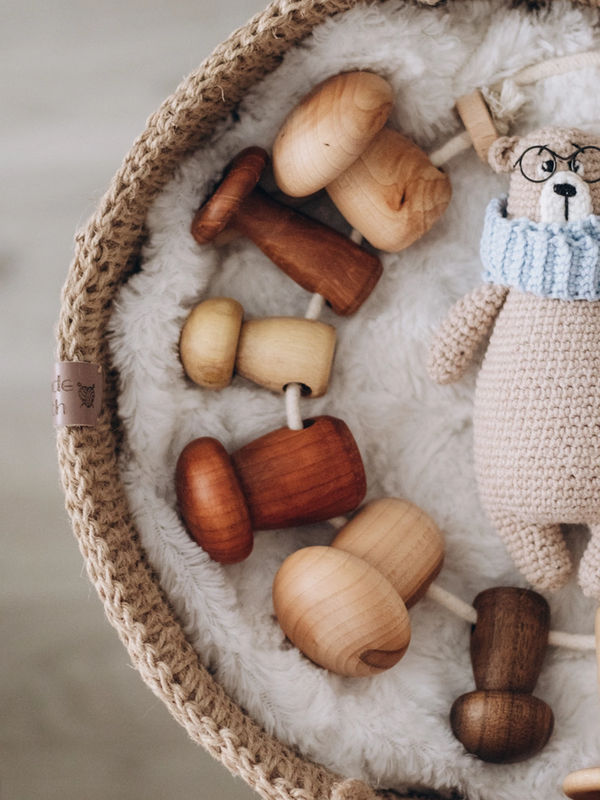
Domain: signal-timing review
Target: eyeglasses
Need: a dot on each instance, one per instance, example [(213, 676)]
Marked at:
[(538, 163)]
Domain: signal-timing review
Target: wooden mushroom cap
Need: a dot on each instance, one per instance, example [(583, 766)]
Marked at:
[(209, 342), (340, 612), (241, 178), (211, 501), (583, 784), (328, 130), (501, 727)]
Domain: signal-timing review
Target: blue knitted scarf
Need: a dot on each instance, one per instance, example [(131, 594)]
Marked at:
[(548, 259)]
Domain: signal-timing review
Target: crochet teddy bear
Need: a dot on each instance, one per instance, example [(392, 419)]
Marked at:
[(537, 397)]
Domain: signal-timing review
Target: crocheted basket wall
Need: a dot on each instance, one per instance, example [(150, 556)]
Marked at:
[(107, 253)]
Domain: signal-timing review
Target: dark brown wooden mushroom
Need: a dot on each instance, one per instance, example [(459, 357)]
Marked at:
[(315, 256), (502, 722)]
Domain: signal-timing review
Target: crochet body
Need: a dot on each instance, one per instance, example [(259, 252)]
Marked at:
[(537, 413)]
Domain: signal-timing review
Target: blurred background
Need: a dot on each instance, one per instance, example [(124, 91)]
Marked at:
[(77, 82)]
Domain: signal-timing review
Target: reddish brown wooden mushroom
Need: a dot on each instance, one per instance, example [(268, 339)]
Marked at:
[(315, 256), (283, 479)]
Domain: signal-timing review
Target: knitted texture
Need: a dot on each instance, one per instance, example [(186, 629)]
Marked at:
[(524, 199), (537, 429), (546, 259), (463, 332), (107, 251), (536, 421)]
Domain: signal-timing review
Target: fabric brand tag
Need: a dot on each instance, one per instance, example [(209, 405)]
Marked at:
[(76, 393)]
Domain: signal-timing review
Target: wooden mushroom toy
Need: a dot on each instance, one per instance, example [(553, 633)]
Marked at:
[(283, 479), (345, 607), (272, 352), (502, 722), (383, 184), (315, 256), (585, 783)]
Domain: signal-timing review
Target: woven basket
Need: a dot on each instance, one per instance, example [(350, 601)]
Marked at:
[(107, 251)]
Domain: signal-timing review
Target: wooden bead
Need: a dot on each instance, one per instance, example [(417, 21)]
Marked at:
[(281, 350), (502, 722), (400, 540), (328, 130), (211, 501), (477, 119), (392, 193), (584, 784), (292, 478), (340, 612), (315, 256), (209, 340)]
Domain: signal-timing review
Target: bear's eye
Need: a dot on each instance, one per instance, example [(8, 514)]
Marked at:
[(577, 167), (547, 167)]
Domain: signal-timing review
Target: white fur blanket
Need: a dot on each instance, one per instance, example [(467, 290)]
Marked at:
[(415, 437)]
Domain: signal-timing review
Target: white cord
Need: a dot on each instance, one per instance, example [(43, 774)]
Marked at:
[(556, 66), (458, 144), (572, 641), (292, 407), (315, 307)]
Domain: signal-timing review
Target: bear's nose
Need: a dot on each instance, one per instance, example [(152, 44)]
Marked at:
[(565, 189)]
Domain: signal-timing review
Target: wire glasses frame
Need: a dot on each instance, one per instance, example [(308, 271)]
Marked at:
[(540, 157)]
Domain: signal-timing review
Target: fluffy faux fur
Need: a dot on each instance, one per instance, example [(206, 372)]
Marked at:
[(415, 437)]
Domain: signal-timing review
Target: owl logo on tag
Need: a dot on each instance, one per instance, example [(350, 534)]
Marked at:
[(87, 395)]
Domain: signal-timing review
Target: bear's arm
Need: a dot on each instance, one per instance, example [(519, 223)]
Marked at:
[(464, 329)]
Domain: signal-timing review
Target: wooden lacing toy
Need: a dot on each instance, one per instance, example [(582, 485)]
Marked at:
[(345, 606), (227, 535)]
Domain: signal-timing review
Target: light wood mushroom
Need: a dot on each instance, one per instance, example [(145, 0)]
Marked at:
[(382, 183), (345, 607), (272, 352)]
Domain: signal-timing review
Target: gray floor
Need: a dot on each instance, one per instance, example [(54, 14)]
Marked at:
[(77, 82)]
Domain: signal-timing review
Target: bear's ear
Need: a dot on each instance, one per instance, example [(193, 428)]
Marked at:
[(501, 155)]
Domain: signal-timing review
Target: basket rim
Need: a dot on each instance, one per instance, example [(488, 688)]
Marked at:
[(107, 250)]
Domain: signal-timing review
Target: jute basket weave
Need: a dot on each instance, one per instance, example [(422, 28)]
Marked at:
[(107, 251)]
